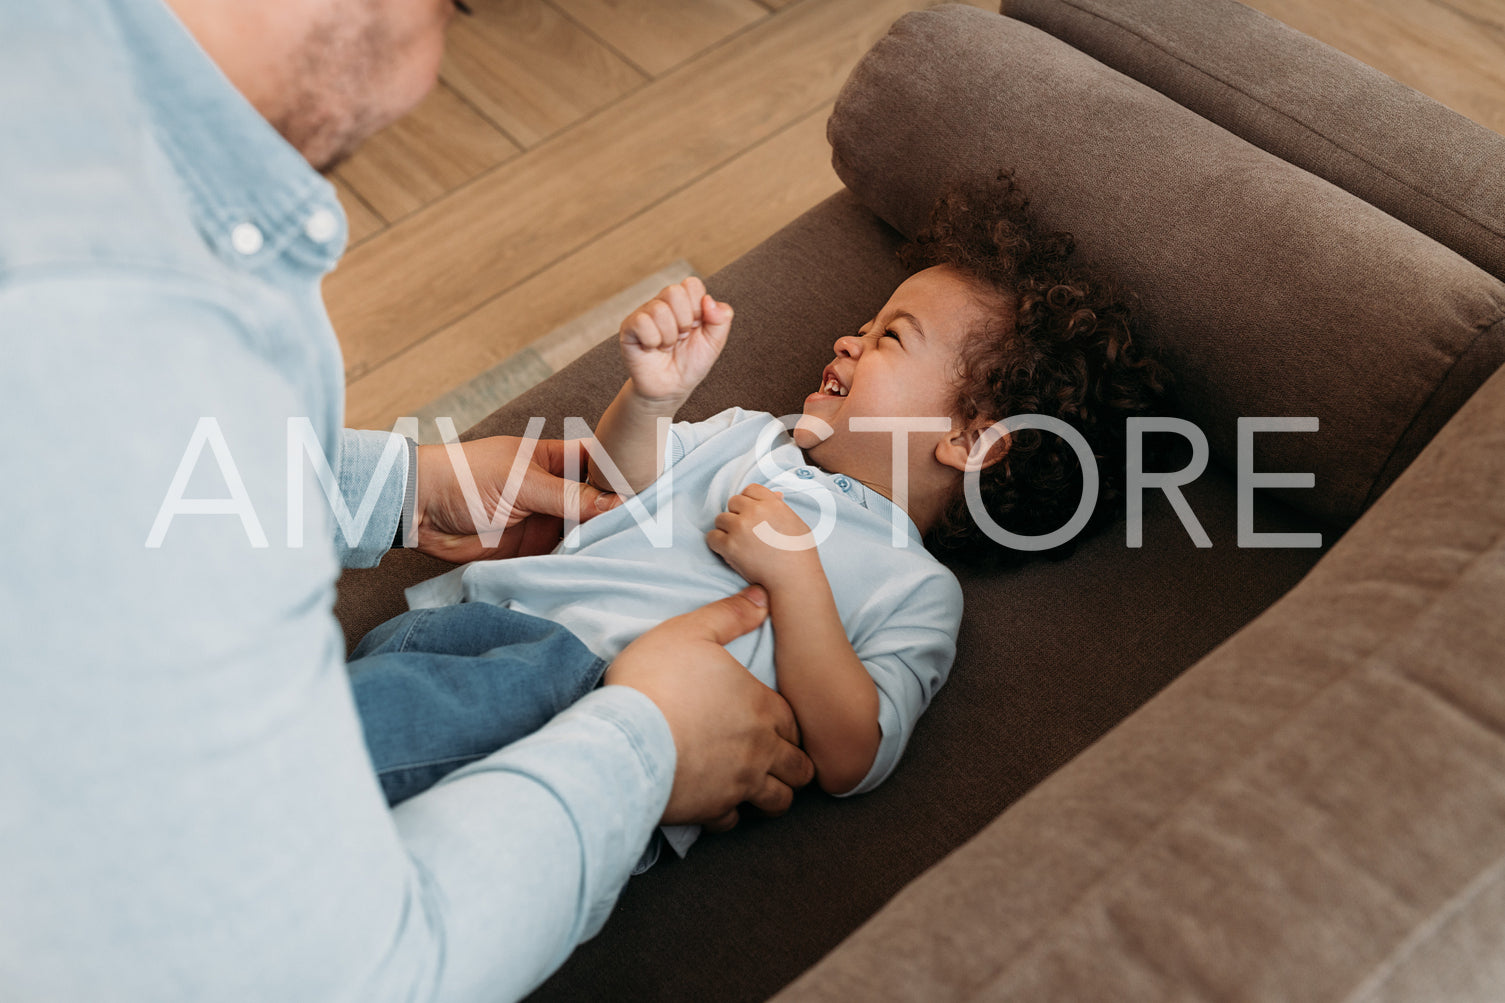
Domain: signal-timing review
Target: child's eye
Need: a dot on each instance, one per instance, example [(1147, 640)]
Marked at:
[(890, 333)]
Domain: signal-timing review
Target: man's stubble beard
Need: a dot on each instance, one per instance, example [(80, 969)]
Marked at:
[(334, 106)]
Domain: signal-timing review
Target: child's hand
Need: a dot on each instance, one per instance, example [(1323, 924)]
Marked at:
[(760, 556), (670, 343)]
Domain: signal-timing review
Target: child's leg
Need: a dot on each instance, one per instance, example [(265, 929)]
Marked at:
[(439, 688)]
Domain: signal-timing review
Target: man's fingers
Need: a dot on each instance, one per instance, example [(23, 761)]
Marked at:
[(543, 493), (586, 500), (791, 766), (541, 535), (724, 823), (728, 619), (593, 501), (773, 798), (784, 723), (551, 453)]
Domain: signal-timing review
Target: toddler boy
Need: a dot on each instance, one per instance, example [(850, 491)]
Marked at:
[(831, 517)]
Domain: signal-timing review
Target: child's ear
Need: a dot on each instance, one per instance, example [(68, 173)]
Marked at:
[(956, 446)]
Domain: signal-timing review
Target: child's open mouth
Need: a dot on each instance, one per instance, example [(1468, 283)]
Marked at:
[(830, 386)]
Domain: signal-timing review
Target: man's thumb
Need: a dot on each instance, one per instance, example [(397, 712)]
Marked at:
[(727, 619), (585, 499)]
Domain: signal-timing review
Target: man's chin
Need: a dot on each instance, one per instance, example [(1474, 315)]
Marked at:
[(325, 139), (332, 161)]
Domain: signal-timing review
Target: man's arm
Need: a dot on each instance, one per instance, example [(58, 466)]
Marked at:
[(177, 729), (584, 794), (668, 345), (832, 695), (379, 463), (502, 496)]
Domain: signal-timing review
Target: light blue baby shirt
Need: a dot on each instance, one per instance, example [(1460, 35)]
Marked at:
[(624, 571), (187, 810)]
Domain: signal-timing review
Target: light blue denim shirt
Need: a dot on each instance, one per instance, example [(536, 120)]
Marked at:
[(187, 810)]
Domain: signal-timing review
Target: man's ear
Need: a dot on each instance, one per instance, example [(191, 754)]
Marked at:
[(955, 448)]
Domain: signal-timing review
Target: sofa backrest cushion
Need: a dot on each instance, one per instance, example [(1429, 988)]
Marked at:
[(1267, 290), (1307, 103)]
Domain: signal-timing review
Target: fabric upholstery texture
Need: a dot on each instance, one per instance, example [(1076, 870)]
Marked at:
[(1315, 811), (1268, 291), (1307, 103)]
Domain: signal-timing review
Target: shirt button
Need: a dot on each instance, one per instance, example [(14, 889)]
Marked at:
[(322, 226), (246, 239), (843, 483), (804, 473)]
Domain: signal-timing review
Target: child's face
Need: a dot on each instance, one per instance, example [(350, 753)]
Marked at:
[(902, 363)]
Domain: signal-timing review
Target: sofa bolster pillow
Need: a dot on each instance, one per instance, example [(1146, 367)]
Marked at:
[(1307, 103), (1268, 291)]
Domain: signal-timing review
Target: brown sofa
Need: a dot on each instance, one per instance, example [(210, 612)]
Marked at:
[(1151, 776)]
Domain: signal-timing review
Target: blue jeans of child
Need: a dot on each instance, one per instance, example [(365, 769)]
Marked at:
[(439, 688)]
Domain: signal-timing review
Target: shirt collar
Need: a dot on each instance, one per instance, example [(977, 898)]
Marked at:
[(255, 198), (871, 500)]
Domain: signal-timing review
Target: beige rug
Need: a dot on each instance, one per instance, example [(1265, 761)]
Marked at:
[(470, 402)]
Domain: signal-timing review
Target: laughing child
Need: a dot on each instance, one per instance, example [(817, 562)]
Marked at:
[(832, 517)]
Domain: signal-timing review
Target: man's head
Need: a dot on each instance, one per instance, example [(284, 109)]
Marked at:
[(325, 73)]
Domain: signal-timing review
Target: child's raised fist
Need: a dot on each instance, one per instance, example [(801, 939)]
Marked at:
[(670, 343)]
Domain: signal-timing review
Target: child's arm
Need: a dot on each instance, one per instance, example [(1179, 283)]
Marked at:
[(668, 345), (832, 695)]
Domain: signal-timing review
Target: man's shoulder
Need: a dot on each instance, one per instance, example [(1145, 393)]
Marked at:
[(83, 179)]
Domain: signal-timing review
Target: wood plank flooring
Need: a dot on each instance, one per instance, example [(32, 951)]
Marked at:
[(1450, 50), (575, 146)]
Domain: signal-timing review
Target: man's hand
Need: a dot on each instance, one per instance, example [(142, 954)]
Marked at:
[(670, 343), (534, 518), (735, 739), (745, 538)]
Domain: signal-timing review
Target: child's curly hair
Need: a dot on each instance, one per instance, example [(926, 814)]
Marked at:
[(1064, 345)]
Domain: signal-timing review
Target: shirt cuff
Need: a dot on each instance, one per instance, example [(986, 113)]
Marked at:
[(373, 471), (407, 530)]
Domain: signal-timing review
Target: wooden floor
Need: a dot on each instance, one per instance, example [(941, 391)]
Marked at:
[(575, 146)]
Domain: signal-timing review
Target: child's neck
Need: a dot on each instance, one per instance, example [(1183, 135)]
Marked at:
[(925, 504)]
